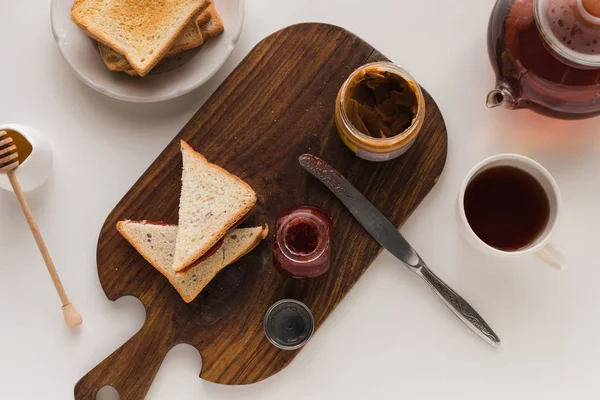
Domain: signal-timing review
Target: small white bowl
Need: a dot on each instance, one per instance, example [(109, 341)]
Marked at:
[(171, 80), (36, 168)]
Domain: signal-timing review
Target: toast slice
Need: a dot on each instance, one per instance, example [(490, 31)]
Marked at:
[(141, 30), (210, 23), (190, 38), (113, 60), (156, 243), (212, 202)]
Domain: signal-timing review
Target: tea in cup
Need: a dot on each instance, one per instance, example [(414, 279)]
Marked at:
[(508, 206)]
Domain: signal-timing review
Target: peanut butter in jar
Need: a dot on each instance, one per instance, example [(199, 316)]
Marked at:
[(379, 111)]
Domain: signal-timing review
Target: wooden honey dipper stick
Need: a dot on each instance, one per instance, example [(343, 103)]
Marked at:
[(8, 163)]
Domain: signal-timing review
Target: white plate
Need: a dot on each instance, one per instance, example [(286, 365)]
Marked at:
[(167, 81)]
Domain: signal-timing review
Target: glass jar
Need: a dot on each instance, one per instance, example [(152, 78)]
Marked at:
[(302, 248), (289, 324), (394, 143)]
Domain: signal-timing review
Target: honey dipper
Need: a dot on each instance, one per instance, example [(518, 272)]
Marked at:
[(8, 164)]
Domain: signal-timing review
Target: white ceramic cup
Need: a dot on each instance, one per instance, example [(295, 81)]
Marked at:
[(541, 246), (36, 168)]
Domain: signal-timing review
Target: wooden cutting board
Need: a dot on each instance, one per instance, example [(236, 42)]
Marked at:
[(276, 105)]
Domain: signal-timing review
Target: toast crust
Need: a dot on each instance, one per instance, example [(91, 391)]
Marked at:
[(241, 221), (235, 220), (252, 246), (158, 54), (198, 40), (210, 24)]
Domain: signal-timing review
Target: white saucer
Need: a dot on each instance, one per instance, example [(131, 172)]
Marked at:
[(168, 81)]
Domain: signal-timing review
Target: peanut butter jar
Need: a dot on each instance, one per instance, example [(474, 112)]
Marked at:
[(379, 111)]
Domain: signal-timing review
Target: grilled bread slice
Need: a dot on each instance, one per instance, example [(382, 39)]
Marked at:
[(190, 38), (141, 30), (210, 23)]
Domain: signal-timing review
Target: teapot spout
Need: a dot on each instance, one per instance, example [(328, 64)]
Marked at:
[(501, 96)]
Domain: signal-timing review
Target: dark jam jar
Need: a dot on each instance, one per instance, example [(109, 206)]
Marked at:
[(302, 247)]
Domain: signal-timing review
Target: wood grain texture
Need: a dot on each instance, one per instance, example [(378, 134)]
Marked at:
[(276, 105)]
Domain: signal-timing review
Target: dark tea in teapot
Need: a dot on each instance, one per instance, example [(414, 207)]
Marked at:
[(546, 54)]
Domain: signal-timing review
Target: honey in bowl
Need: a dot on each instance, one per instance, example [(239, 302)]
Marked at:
[(24, 148)]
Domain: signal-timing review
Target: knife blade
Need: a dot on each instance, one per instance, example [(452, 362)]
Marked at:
[(388, 236)]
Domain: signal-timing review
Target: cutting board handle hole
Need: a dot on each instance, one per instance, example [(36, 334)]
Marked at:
[(107, 393)]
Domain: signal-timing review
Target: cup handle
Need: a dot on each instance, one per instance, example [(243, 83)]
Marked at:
[(552, 255)]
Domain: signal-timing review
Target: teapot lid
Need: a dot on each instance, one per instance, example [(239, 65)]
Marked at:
[(571, 28)]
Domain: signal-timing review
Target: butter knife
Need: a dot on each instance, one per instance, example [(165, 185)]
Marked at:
[(388, 236)]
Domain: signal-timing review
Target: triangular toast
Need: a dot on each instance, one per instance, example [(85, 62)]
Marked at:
[(212, 202), (156, 243)]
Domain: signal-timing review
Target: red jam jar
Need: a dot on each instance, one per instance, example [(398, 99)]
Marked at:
[(302, 247)]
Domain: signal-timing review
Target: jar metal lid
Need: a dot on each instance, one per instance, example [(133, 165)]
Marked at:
[(289, 324)]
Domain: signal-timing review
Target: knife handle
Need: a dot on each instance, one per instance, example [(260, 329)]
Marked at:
[(459, 306)]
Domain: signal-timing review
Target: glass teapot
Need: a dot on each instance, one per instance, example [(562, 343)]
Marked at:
[(546, 55)]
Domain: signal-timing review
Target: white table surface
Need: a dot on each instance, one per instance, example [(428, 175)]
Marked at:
[(391, 337)]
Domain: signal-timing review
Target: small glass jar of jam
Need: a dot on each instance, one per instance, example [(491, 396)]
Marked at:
[(379, 111), (302, 247)]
